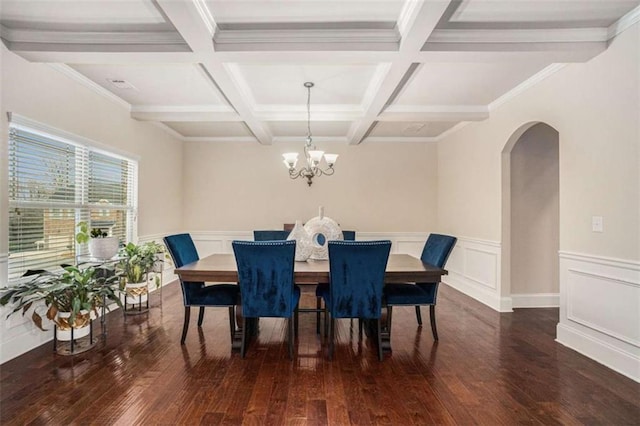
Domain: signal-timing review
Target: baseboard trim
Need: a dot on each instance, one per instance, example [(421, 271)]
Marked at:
[(536, 300), (468, 287), (620, 361)]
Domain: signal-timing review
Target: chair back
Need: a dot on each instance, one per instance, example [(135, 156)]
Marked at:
[(270, 235), (265, 275), (437, 249), (349, 235), (183, 251), (357, 271)]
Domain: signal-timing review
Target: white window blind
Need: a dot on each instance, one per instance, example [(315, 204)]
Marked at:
[(54, 183)]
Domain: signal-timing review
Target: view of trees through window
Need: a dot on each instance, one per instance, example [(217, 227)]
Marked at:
[(54, 185)]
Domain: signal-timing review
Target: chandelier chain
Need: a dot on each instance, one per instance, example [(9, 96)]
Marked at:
[(308, 86)]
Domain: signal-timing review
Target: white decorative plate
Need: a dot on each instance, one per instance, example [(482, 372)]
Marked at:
[(321, 230)]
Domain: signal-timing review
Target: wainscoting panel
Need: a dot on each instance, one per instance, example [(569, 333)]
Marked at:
[(474, 269), (211, 242), (600, 310)]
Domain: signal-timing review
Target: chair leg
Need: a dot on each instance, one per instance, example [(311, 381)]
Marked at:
[(389, 314), (332, 331), (326, 323), (295, 315), (201, 316), (291, 334), (232, 322), (379, 333), (185, 326), (318, 308), (243, 345), (418, 315), (432, 316)]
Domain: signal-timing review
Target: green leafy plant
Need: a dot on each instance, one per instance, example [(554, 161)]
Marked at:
[(84, 234), (73, 290), (138, 260)]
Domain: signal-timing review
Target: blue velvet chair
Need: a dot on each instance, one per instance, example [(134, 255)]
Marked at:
[(270, 235), (356, 274), (183, 251), (265, 275), (436, 251), (348, 236)]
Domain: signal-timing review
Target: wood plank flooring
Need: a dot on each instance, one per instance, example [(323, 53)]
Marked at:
[(488, 369)]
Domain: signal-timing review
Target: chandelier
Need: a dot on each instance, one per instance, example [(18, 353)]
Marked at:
[(312, 155)]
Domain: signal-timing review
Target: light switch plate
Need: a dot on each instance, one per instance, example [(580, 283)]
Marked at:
[(597, 224)]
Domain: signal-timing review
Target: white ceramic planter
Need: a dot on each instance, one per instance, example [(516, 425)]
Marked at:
[(103, 248), (136, 293), (83, 319)]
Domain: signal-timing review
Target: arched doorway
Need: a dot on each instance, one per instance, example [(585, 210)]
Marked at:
[(530, 216)]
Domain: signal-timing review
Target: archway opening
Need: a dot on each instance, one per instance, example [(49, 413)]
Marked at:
[(531, 217)]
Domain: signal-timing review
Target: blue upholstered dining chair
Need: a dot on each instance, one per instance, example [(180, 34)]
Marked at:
[(356, 275), (270, 235), (265, 275), (436, 251), (183, 251), (347, 236)]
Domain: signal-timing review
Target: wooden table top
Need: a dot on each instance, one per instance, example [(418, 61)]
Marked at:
[(222, 268)]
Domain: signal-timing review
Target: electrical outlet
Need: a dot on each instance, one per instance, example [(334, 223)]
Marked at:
[(597, 224)]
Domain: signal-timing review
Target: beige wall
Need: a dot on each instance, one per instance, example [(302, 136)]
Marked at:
[(535, 212), (41, 93), (595, 107), (376, 187)]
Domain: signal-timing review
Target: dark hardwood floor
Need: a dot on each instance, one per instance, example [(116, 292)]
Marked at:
[(488, 368)]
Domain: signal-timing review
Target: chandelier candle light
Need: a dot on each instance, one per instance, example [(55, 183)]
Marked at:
[(311, 153)]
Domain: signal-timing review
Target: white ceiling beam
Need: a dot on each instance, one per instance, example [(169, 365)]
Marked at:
[(190, 20), (197, 113), (109, 58), (434, 113), (482, 53), (417, 25)]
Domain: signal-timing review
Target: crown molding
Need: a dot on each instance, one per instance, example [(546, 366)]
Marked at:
[(628, 20), (90, 84), (526, 85), (218, 139), (168, 130), (182, 108), (550, 35), (434, 113), (452, 130), (43, 40), (184, 113), (404, 139)]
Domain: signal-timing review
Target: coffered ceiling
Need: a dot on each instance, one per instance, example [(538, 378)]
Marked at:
[(384, 70)]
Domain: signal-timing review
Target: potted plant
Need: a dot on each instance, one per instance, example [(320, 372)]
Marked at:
[(72, 297), (137, 261), (101, 245)]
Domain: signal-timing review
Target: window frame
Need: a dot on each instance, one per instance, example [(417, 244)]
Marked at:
[(81, 208)]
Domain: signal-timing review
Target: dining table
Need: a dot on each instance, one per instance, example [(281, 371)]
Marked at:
[(221, 267)]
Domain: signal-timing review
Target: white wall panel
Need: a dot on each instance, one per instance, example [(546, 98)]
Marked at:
[(474, 269), (600, 310)]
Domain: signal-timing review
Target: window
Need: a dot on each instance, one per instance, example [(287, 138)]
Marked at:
[(55, 181)]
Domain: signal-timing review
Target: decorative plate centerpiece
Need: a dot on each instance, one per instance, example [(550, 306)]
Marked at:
[(322, 229)]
